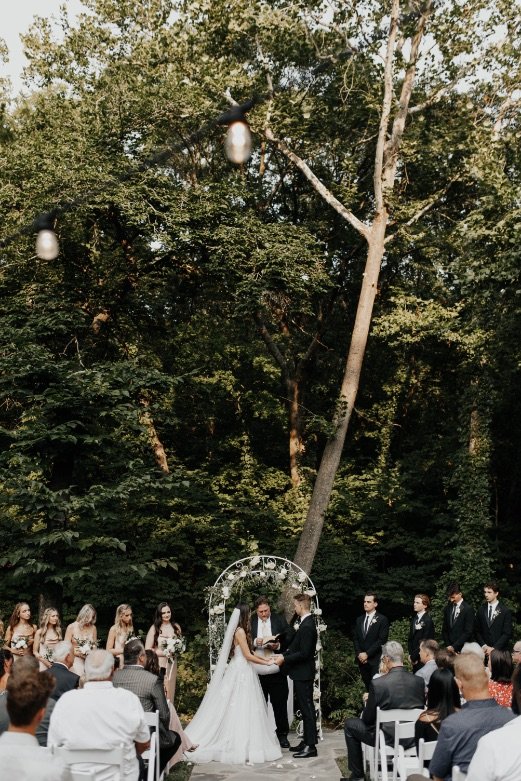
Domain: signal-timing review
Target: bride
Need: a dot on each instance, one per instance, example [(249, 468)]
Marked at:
[(231, 724)]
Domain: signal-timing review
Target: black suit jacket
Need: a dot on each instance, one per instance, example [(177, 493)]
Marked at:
[(279, 625), (417, 635), (299, 658), (376, 636), (462, 630), (65, 680), (397, 689), (149, 688), (499, 633)]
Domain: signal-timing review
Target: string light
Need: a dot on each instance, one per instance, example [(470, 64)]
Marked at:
[(47, 246)]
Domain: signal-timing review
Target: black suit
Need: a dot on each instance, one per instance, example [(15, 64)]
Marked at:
[(371, 643), (149, 688), (426, 632), (457, 632), (276, 686), (499, 634), (299, 659), (65, 680), (397, 689)]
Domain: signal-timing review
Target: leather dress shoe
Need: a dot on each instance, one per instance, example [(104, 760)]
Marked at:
[(307, 751), (300, 746), (284, 742)]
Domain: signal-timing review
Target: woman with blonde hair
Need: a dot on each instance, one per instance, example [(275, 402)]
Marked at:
[(120, 633), (46, 637), (19, 637), (83, 636)]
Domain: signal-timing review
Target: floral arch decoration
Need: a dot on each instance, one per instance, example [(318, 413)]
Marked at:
[(270, 575)]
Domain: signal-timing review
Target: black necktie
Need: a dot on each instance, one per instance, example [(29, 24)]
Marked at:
[(489, 614), (366, 625)]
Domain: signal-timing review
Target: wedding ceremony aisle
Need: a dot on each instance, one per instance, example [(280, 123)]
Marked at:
[(322, 767)]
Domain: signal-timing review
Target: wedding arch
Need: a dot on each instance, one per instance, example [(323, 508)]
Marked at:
[(266, 575)]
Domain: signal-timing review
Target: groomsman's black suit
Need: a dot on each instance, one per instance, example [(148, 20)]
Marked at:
[(426, 632), (276, 686), (499, 633), (299, 660), (65, 680), (371, 643), (459, 631)]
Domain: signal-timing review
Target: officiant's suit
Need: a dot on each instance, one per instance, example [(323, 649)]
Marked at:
[(370, 643), (275, 687), (458, 631), (299, 661), (498, 633)]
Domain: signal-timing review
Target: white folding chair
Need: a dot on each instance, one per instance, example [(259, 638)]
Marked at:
[(403, 730), (383, 717), (152, 763), (152, 720), (382, 748), (425, 751), (457, 774), (92, 756)]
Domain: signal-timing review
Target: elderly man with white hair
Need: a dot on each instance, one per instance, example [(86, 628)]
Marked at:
[(62, 660), (101, 716), (396, 689)]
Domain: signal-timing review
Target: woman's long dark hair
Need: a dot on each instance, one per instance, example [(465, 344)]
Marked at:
[(158, 621), (244, 621), (443, 696), (5, 656), (152, 662), (501, 666), (15, 615)]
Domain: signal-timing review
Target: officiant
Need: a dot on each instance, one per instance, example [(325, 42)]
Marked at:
[(272, 633)]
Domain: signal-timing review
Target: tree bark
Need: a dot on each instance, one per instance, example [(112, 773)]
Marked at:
[(157, 445)]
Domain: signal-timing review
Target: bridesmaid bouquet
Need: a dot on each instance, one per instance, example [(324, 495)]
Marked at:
[(85, 646), (171, 646), (21, 643), (48, 654)]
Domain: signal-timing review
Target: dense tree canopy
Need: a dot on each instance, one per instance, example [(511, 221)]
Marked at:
[(169, 383)]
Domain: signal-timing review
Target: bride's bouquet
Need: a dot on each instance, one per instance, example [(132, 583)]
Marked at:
[(172, 646)]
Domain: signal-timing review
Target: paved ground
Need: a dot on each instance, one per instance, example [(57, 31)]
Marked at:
[(287, 768)]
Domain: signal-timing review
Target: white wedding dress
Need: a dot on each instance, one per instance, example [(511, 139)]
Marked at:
[(231, 724)]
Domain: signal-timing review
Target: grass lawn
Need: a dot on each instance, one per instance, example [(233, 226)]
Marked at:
[(180, 772)]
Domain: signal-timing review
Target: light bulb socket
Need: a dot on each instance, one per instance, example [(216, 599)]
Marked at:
[(45, 222)]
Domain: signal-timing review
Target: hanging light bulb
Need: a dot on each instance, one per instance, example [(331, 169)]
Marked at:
[(47, 247), (237, 143)]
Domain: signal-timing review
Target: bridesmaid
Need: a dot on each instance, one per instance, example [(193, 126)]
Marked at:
[(20, 628), (120, 633), (80, 631), (49, 633), (162, 629)]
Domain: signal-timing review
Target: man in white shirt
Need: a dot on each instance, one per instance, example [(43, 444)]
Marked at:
[(21, 757), (101, 716)]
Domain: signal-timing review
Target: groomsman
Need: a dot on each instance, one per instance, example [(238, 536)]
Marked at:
[(493, 621), (458, 620), (299, 659), (264, 626), (371, 632), (422, 628)]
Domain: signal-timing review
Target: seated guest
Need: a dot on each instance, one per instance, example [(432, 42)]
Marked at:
[(26, 665), (100, 716), (445, 658), (396, 689), (460, 732), (21, 757), (428, 651), (498, 755), (149, 689), (473, 648), (443, 698), (516, 653), (63, 659), (500, 683)]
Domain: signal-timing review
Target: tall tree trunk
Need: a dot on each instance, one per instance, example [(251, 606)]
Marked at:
[(295, 429), (155, 442)]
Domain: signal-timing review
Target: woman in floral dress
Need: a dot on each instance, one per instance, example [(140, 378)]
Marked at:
[(49, 633), (83, 636)]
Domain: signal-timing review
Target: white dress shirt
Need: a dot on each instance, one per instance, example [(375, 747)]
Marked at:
[(100, 716), (498, 755), (23, 759)]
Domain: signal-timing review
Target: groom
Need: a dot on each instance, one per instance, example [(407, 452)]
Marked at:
[(264, 625), (300, 661)]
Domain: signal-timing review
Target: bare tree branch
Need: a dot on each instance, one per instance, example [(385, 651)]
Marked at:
[(425, 208)]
